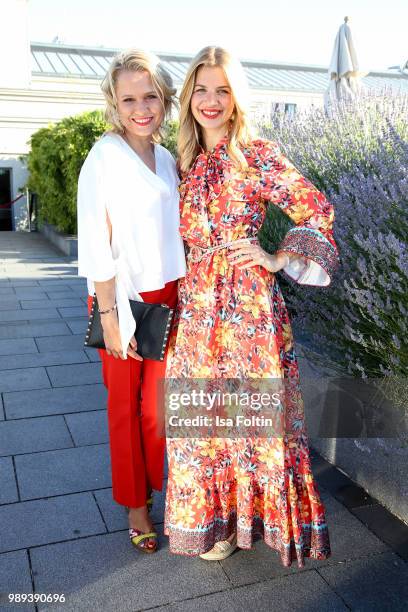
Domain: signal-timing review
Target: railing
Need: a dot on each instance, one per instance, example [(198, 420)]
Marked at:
[(32, 208), (9, 204)]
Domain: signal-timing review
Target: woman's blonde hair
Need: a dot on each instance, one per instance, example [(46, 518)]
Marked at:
[(190, 138), (138, 61)]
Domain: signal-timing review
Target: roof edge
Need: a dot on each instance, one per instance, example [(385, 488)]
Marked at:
[(172, 56)]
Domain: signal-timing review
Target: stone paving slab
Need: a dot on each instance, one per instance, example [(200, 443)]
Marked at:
[(66, 343), (8, 485), (29, 272), (63, 471), (81, 293), (33, 435), (58, 294), (77, 281), (298, 593), (373, 584), (7, 290), (78, 326), (59, 285), (79, 311), (106, 573), (29, 315), (29, 293), (88, 427), (348, 538), (92, 353), (15, 577), (56, 272), (78, 285), (10, 303), (18, 347), (43, 402), (34, 330), (21, 379), (115, 515), (7, 283), (53, 358), (43, 521), (381, 522), (72, 375), (64, 303)]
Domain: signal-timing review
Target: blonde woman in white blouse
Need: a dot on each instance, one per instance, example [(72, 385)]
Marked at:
[(129, 247)]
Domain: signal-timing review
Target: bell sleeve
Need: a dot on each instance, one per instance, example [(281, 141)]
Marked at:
[(95, 260), (310, 244)]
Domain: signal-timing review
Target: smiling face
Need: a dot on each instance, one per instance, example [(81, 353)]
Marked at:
[(139, 107), (212, 103)]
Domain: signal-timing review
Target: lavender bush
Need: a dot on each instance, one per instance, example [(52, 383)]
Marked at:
[(357, 154)]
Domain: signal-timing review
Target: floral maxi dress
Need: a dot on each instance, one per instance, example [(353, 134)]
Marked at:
[(232, 323)]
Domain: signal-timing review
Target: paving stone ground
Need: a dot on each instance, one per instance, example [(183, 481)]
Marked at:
[(60, 531)]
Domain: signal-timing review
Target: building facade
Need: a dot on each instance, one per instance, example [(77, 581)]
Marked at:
[(41, 83)]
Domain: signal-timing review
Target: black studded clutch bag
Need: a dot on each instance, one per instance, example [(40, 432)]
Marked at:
[(153, 324)]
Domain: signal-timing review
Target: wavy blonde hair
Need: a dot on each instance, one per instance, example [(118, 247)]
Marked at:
[(190, 137), (138, 61)]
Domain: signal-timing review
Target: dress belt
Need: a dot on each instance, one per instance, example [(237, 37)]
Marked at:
[(197, 253)]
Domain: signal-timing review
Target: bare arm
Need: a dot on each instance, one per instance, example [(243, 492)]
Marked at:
[(105, 292)]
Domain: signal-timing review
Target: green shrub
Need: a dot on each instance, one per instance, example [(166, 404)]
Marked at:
[(170, 132), (54, 162), (56, 156)]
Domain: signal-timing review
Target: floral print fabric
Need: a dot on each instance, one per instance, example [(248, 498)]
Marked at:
[(233, 324)]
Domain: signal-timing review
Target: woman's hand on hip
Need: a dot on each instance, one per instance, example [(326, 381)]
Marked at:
[(247, 255)]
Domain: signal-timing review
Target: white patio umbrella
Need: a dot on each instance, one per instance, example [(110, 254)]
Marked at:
[(344, 72)]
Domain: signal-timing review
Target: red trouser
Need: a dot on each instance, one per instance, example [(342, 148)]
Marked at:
[(137, 451)]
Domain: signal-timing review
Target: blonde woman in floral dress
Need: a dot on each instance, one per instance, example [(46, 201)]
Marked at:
[(232, 323)]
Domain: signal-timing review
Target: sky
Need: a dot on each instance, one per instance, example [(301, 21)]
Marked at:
[(297, 31)]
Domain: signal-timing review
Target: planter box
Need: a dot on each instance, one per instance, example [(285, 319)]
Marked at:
[(378, 463), (65, 243)]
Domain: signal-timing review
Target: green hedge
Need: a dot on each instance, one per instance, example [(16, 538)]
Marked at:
[(54, 162)]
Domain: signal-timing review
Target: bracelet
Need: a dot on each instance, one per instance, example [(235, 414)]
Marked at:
[(101, 312)]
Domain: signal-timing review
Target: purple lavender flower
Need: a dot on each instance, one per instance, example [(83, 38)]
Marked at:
[(357, 154)]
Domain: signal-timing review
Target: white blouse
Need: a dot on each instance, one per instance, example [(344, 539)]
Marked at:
[(143, 207)]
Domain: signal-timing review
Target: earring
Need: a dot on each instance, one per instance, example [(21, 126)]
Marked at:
[(232, 117)]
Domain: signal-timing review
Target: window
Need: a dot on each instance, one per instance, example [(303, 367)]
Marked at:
[(286, 107), (290, 109)]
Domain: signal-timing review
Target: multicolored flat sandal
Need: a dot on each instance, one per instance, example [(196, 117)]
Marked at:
[(140, 540)]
